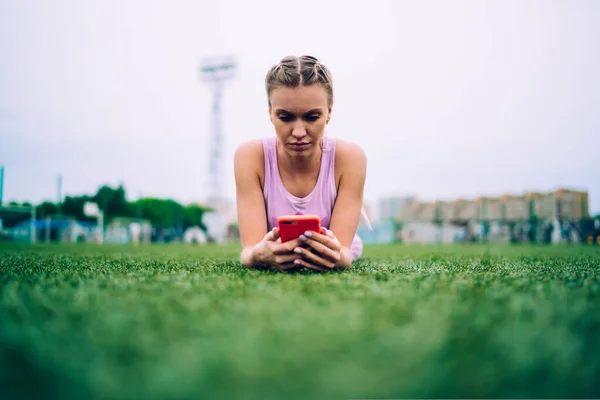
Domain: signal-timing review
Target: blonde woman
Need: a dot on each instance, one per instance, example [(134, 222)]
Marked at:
[(299, 171)]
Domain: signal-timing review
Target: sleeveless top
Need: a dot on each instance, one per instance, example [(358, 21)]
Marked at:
[(320, 201)]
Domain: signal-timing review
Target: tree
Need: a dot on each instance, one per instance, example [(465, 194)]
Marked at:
[(74, 206), (112, 202), (45, 209), (193, 216), (168, 213), (160, 212)]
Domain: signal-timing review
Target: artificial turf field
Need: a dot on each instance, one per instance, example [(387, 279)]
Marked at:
[(155, 322)]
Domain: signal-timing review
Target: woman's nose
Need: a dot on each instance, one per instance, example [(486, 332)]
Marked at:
[(299, 130), (299, 133)]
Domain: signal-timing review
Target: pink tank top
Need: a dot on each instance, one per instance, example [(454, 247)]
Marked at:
[(319, 202)]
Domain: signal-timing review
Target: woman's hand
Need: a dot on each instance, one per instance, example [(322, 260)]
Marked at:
[(321, 251), (270, 251)]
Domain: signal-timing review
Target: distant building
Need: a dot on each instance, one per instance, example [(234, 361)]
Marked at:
[(122, 230), (559, 216), (389, 208), (62, 230), (382, 232), (561, 204)]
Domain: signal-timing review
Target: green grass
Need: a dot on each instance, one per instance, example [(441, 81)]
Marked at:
[(190, 322)]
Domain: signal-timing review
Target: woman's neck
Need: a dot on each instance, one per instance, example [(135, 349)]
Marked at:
[(300, 165)]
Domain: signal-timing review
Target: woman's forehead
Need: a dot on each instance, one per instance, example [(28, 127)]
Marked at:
[(299, 99)]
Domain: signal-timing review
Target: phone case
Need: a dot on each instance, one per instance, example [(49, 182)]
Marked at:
[(292, 226)]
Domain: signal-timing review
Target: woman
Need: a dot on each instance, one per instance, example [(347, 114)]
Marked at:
[(299, 171)]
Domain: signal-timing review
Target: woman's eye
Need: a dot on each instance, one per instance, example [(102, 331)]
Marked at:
[(313, 117), (285, 118)]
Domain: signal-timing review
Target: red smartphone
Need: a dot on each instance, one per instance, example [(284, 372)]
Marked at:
[(292, 226)]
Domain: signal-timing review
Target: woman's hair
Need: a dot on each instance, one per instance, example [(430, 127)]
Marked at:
[(294, 71)]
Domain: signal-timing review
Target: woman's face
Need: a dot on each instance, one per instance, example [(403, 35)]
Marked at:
[(299, 115)]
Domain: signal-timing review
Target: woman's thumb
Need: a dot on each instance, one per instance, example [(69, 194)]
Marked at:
[(272, 235), (276, 233)]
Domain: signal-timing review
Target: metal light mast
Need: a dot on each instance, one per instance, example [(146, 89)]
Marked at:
[(215, 72)]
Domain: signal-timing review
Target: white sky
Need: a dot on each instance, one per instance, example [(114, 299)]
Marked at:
[(448, 98)]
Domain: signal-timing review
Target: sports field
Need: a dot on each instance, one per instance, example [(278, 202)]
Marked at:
[(181, 322)]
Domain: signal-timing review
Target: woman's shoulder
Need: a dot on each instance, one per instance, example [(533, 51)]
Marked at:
[(249, 150), (347, 153), (350, 160), (249, 156)]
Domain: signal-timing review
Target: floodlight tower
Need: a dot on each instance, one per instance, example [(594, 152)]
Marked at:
[(215, 72)]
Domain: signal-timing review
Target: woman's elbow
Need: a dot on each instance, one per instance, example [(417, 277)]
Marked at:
[(345, 261), (247, 257)]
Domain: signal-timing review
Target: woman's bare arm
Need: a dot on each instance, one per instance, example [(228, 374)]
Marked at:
[(351, 162), (252, 220)]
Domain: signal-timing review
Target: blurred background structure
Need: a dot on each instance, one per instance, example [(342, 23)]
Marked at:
[(560, 216), (215, 72), (454, 103)]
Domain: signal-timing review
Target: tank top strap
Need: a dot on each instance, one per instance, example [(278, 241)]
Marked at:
[(270, 160), (328, 162)]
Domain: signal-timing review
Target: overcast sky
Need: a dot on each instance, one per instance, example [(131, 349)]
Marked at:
[(448, 98)]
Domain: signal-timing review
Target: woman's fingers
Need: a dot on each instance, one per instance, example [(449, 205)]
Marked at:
[(329, 239), (313, 250), (309, 265), (323, 250), (329, 234), (324, 244), (314, 258), (273, 235), (286, 258), (287, 247)]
